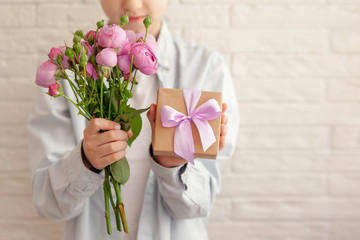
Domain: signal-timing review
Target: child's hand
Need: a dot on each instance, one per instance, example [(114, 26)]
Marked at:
[(167, 161), (102, 149)]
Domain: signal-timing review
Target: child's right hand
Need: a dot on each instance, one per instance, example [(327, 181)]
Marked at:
[(102, 149)]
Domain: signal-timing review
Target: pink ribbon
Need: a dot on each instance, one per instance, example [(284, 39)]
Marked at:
[(183, 139)]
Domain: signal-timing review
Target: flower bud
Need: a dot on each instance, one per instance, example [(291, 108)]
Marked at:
[(69, 52), (100, 24), (80, 33), (83, 59), (55, 89), (124, 19), (77, 48), (76, 39), (147, 21), (59, 59)]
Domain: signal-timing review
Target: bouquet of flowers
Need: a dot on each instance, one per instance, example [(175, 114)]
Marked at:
[(108, 54)]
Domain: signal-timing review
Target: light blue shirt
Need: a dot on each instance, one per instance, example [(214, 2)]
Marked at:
[(177, 201)]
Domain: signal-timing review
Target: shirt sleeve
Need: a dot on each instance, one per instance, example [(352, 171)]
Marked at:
[(188, 191), (60, 181)]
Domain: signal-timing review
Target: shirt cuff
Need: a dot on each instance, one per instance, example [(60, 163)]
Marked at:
[(79, 176), (171, 176)]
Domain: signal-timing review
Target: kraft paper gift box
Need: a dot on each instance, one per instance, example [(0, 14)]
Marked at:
[(163, 138)]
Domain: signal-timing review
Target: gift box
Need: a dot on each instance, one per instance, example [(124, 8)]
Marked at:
[(173, 123)]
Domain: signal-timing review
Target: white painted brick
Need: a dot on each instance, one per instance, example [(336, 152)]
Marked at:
[(345, 41), (259, 40), (62, 15), (17, 65), (23, 229), (279, 89), (17, 15), (34, 40), (271, 138), (344, 184), (345, 230), (13, 136), (210, 15), (343, 89), (221, 210), (17, 112), (271, 230), (278, 184), (295, 161), (346, 137), (15, 183), (295, 16), (297, 209), (24, 89), (13, 159), (296, 65), (299, 114), (10, 207)]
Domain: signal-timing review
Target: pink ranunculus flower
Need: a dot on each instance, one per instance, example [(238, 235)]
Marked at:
[(91, 71), (54, 89), (144, 58), (90, 35), (124, 63), (112, 36), (150, 40), (45, 74), (107, 57), (64, 59), (53, 54), (131, 36), (90, 49)]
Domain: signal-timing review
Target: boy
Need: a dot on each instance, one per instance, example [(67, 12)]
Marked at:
[(165, 198)]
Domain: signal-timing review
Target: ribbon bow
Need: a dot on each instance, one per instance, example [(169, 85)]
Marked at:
[(183, 139)]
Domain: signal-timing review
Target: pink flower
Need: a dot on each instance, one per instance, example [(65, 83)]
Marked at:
[(64, 59), (45, 74), (91, 71), (131, 36), (144, 58), (124, 62), (89, 49), (107, 57), (90, 35), (53, 54), (150, 40), (54, 89), (111, 36)]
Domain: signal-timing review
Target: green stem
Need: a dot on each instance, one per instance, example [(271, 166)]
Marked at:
[(106, 197), (131, 66), (120, 205), (132, 83), (101, 96), (110, 100), (84, 83), (116, 210), (81, 112)]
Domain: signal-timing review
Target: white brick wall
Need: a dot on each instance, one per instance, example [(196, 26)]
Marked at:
[(296, 66)]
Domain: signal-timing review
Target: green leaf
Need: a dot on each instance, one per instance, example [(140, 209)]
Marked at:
[(136, 125), (126, 117), (120, 170)]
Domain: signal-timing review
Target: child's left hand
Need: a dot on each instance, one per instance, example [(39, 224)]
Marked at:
[(167, 161)]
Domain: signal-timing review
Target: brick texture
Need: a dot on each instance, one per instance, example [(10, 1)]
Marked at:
[(295, 173)]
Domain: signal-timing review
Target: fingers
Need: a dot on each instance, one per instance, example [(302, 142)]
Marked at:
[(224, 107), (222, 142), (97, 124), (151, 114), (111, 136)]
